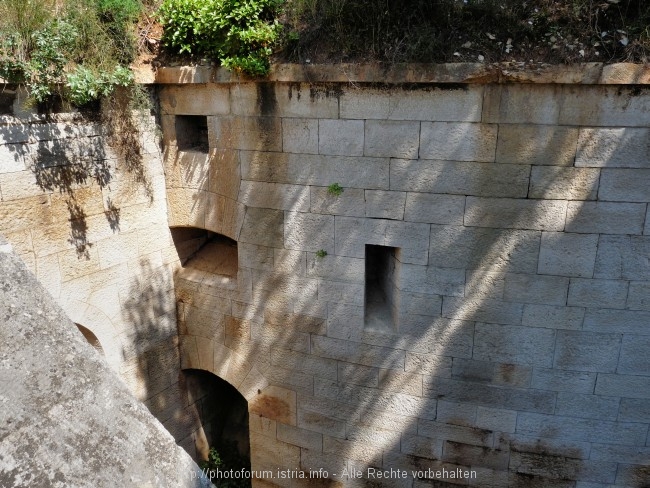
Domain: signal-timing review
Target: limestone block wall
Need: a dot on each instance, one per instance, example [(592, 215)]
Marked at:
[(94, 231), (514, 218)]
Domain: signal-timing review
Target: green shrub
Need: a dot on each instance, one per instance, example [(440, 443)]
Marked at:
[(240, 33), (75, 49)]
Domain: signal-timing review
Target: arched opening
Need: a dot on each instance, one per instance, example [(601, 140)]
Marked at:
[(207, 251), (91, 339), (223, 415)]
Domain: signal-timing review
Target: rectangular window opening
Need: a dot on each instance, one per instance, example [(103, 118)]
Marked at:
[(381, 293), (192, 133)]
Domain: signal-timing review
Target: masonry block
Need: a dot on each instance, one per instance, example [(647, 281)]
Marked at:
[(300, 136), (505, 374), (512, 344), (634, 410), (352, 234), (12, 158), (350, 203), (393, 139), (438, 335), (552, 468), (352, 352), (623, 257), (589, 430), (526, 104), (496, 419), (622, 147), (458, 142), (210, 99), (638, 297), (264, 227), (365, 104), (428, 364), (558, 183), (483, 248), (587, 406), (528, 288), (306, 169), (277, 196), (435, 209), (382, 204), (284, 100), (567, 254), (309, 232), (624, 185), (553, 316), (557, 380), (487, 310), (340, 137), (491, 396), (462, 178), (605, 218), (345, 320), (336, 268), (603, 106), (249, 133), (506, 213), (225, 173), (633, 359), (539, 145), (587, 351), (597, 293)]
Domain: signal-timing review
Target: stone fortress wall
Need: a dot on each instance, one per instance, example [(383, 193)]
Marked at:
[(501, 325)]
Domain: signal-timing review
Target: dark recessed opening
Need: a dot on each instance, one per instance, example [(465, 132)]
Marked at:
[(381, 292), (192, 133), (206, 251), (7, 98), (91, 338), (223, 413)]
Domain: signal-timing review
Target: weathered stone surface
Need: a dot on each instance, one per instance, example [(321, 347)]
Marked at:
[(597, 293), (624, 185), (201, 100), (461, 104), (623, 257), (590, 430), (513, 344), (309, 232), (567, 254), (340, 137), (352, 172), (392, 139), (555, 317), (539, 145), (587, 351), (604, 106), (433, 208), (109, 413), (462, 178), (506, 213), (351, 202), (557, 380), (605, 218), (274, 196), (382, 204), (613, 148), (506, 374), (300, 136), (521, 104), (489, 249), (559, 183), (458, 142)]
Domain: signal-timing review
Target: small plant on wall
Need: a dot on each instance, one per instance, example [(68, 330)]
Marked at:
[(335, 189), (321, 253)]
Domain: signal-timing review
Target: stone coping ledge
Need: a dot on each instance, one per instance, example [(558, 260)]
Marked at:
[(476, 73)]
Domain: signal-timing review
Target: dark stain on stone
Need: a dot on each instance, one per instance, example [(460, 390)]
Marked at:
[(291, 88), (271, 408), (507, 370), (267, 102)]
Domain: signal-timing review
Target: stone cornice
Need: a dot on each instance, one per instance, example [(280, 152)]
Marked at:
[(475, 73)]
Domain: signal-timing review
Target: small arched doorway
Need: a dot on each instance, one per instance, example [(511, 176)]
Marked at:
[(223, 416)]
